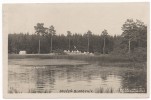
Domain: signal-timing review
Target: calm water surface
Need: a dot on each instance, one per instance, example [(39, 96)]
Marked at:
[(26, 78)]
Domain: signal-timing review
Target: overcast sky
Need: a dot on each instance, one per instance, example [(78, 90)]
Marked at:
[(77, 18)]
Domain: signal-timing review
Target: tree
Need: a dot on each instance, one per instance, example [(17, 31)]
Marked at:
[(141, 36), (40, 30), (104, 34), (51, 32), (69, 36), (88, 36), (135, 32), (128, 32)]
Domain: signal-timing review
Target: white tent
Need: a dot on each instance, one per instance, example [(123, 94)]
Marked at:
[(22, 52)]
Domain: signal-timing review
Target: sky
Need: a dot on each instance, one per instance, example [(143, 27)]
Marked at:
[(77, 18)]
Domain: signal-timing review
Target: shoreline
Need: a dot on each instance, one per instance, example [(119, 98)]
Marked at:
[(102, 60)]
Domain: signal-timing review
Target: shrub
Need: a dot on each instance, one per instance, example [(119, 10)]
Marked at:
[(59, 52), (139, 54)]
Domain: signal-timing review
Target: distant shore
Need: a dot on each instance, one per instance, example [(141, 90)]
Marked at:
[(102, 58)]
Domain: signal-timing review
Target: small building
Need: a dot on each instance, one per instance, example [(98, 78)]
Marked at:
[(22, 52)]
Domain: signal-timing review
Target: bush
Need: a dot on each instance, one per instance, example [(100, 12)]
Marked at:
[(59, 52), (139, 54), (97, 53)]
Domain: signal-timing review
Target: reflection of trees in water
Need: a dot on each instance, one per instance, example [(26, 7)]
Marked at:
[(47, 77), (103, 76), (40, 84), (88, 75), (50, 75), (74, 73), (135, 80), (19, 79), (45, 80), (81, 73)]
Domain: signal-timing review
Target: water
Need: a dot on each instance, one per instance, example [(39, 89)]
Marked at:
[(68, 78)]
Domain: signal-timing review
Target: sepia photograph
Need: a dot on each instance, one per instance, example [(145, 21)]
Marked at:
[(76, 50)]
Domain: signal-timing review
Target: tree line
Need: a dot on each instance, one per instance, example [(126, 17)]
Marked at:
[(84, 43), (133, 39)]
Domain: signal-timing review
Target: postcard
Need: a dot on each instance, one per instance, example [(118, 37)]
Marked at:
[(76, 50)]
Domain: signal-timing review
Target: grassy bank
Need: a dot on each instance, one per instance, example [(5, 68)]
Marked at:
[(100, 58)]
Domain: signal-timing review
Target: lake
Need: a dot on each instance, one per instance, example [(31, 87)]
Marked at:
[(72, 76)]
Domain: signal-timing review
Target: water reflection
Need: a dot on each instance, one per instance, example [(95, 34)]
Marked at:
[(48, 79), (134, 82)]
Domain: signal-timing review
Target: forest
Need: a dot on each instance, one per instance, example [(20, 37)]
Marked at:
[(131, 42)]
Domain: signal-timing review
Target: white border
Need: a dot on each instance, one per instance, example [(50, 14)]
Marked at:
[(51, 1), (70, 1)]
